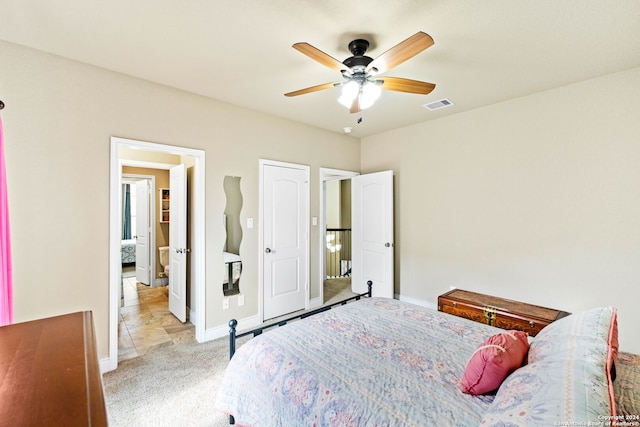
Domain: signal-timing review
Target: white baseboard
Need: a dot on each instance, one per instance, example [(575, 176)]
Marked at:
[(106, 365), (315, 302), (247, 323), (223, 330), (417, 301)]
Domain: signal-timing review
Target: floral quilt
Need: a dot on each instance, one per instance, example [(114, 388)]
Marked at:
[(376, 362)]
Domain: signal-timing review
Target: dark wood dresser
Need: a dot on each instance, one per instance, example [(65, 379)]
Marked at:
[(49, 373), (499, 312)]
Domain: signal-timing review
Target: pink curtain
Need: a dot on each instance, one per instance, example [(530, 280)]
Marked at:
[(6, 282)]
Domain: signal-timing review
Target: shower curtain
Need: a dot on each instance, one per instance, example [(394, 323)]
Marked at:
[(126, 212), (6, 282)]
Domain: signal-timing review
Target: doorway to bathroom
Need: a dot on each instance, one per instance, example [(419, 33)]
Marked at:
[(147, 319), (138, 227), (144, 158)]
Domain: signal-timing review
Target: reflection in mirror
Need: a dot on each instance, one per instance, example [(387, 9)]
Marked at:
[(232, 261)]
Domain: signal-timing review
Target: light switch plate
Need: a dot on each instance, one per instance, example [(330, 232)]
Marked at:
[(249, 222)]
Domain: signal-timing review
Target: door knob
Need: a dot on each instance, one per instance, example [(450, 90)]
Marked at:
[(268, 250), (387, 245)]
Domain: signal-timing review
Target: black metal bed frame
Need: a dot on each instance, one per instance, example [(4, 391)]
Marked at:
[(233, 323)]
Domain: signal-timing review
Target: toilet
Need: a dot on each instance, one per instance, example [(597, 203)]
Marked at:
[(164, 259)]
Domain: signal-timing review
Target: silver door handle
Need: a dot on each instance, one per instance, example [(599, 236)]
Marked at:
[(387, 245), (268, 250)]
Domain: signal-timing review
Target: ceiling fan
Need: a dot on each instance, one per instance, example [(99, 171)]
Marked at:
[(361, 87)]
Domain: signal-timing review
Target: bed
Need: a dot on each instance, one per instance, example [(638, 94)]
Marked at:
[(384, 362), (128, 251)]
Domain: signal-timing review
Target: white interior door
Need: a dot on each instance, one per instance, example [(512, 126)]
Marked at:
[(285, 238), (142, 231), (372, 233), (178, 242)]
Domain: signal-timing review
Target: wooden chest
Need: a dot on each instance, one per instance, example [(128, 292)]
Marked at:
[(499, 312)]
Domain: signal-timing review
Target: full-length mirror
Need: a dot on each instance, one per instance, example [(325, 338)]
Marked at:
[(232, 260)]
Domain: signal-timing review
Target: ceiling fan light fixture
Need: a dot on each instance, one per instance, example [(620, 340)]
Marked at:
[(369, 94), (350, 91)]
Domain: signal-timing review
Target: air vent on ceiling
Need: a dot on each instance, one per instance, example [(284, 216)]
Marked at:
[(443, 103)]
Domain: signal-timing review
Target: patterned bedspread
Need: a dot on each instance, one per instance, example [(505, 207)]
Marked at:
[(128, 251), (376, 362)]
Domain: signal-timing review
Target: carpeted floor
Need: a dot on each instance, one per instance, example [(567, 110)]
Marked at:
[(171, 386), (337, 289)]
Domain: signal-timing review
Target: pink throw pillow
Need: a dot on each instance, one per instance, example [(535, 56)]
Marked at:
[(612, 357), (493, 361), (613, 336)]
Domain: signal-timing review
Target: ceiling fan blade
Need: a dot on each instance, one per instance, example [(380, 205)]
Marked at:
[(321, 57), (400, 53), (406, 85), (311, 89), (355, 107)]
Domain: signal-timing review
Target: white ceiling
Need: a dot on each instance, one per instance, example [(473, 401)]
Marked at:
[(239, 51)]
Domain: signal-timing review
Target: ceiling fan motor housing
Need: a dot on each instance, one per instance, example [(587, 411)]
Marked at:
[(358, 48)]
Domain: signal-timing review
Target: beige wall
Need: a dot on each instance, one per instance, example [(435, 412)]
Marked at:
[(345, 203), (149, 156), (332, 204), (58, 120), (536, 199)]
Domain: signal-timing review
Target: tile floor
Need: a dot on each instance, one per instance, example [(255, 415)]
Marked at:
[(145, 321)]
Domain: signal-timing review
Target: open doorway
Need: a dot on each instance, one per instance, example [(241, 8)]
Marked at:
[(146, 321), (195, 158), (372, 253), (335, 222), (138, 226)]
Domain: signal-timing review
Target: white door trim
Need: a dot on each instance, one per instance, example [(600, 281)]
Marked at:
[(198, 242), (326, 174), (262, 164)]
